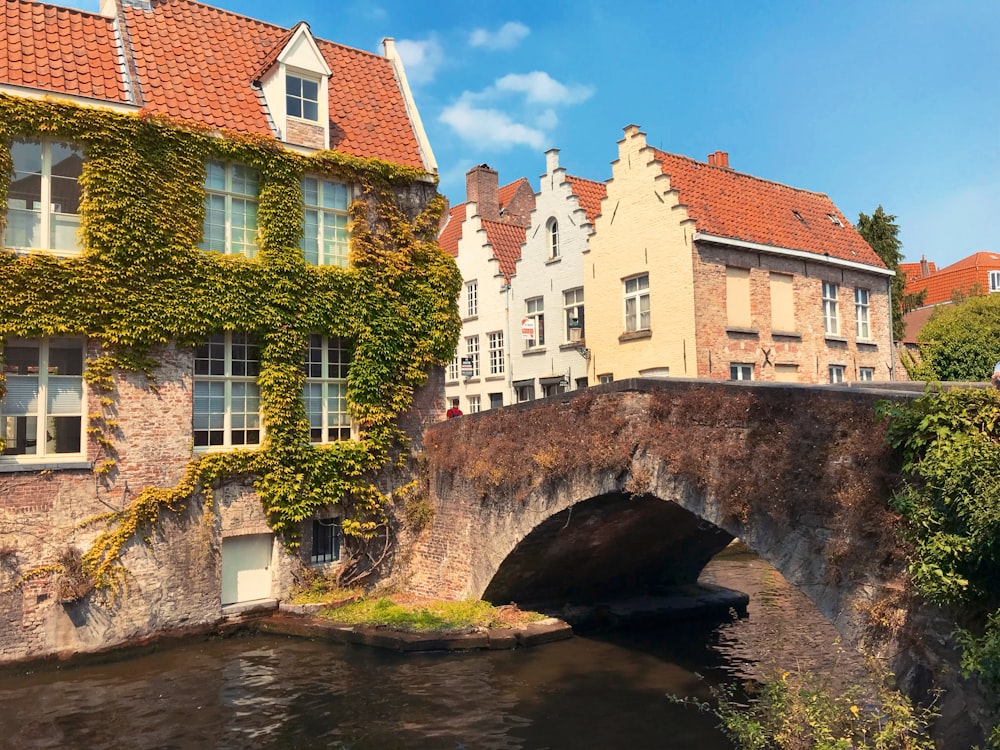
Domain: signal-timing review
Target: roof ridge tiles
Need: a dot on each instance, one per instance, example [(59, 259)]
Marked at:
[(730, 170), (57, 7)]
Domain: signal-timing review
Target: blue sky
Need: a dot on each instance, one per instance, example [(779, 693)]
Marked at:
[(891, 103)]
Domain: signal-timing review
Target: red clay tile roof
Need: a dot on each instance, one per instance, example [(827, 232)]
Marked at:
[(971, 274), (506, 240), (197, 63), (589, 193), (915, 270), (451, 232), (506, 192), (739, 206), (60, 50)]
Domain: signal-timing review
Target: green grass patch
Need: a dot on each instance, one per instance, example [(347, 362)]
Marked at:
[(444, 616)]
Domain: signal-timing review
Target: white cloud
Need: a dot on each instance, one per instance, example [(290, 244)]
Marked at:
[(542, 88), (507, 36), (516, 110), (489, 128), (421, 58)]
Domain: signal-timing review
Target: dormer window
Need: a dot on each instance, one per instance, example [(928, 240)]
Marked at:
[(302, 97)]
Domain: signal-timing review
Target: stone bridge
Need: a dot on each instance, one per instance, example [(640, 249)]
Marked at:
[(628, 487)]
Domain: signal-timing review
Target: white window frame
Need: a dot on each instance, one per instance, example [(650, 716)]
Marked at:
[(241, 386), (866, 374), (838, 374), (472, 352), (741, 371), (298, 95), (994, 281), (325, 215), (234, 176), (453, 370), (636, 292), (497, 364), (472, 298), (831, 310), (535, 310), (553, 230), (327, 363), (49, 215), (861, 317), (573, 310), (475, 404), (46, 401)]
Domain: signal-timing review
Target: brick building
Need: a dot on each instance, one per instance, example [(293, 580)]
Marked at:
[(697, 270), (974, 275), (188, 187)]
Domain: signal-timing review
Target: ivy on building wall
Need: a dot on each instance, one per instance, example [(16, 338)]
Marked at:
[(141, 282)]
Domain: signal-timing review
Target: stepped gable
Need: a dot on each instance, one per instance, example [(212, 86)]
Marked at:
[(451, 233), (60, 50), (734, 205), (589, 193)]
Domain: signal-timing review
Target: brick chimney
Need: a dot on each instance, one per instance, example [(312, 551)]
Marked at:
[(924, 268), (482, 186), (719, 159)]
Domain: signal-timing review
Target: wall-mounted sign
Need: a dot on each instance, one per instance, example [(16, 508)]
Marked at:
[(527, 328), (467, 371)]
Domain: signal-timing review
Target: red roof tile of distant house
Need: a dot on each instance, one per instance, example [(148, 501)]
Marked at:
[(590, 194), (739, 206), (451, 232), (199, 64), (506, 240), (915, 270), (970, 275), (60, 50)]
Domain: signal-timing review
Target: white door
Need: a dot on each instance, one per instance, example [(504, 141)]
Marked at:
[(246, 568)]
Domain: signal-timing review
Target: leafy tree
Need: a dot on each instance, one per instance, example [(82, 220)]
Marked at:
[(962, 341), (881, 231)]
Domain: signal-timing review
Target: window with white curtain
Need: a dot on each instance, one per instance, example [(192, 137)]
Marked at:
[(43, 198), (230, 209)]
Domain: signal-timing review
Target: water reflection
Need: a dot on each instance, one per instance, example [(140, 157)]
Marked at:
[(603, 691)]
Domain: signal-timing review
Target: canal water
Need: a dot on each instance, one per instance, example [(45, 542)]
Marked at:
[(606, 690)]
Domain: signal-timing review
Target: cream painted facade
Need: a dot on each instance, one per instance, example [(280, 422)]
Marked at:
[(641, 231), (550, 274)]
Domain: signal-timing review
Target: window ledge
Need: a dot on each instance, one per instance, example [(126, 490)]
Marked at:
[(490, 378), (787, 334), (198, 451), (10, 464), (868, 342), (749, 331), (836, 339), (535, 350), (571, 345), (550, 261), (470, 318), (646, 333)]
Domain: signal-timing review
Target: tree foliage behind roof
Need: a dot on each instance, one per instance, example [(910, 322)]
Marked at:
[(961, 341)]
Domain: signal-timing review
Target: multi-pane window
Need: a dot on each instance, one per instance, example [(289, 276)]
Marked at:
[(324, 232), (536, 314), (573, 313), (496, 400), (472, 354), (230, 209), (327, 362), (837, 373), (474, 404), (606, 378), (525, 392), (42, 412), (866, 373), (302, 97), (637, 303), (43, 199), (861, 314), (453, 368), (740, 371), (496, 353), (995, 281), (471, 298), (226, 396), (553, 238), (831, 316), (325, 540)]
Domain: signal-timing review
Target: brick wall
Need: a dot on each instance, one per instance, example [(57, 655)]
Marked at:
[(305, 134)]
